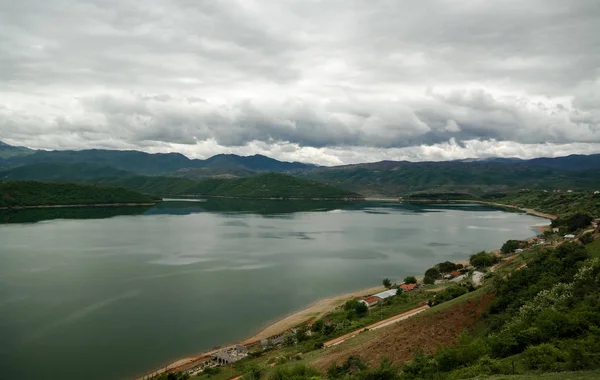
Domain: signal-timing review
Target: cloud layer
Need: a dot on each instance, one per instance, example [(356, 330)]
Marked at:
[(328, 82)]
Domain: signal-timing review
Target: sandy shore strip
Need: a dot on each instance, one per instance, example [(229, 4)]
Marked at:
[(311, 313)]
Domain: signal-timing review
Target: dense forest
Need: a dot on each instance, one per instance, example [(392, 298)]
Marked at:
[(31, 193)]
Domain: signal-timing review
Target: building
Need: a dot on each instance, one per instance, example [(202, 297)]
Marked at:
[(455, 273), (370, 301), (519, 250), (569, 236), (556, 229), (408, 287), (386, 294), (230, 355)]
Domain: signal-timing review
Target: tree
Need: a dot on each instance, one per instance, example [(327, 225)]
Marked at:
[(301, 335), (429, 280), (433, 273), (483, 260), (361, 309), (317, 326), (387, 283), (447, 267), (410, 280), (510, 246)]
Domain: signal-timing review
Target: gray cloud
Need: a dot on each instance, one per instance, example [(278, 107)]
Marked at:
[(328, 82)]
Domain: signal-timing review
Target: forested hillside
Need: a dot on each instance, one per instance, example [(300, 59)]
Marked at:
[(31, 193), (271, 185), (563, 203), (392, 178)]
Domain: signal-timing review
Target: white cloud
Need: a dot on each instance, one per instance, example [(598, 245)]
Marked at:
[(328, 82)]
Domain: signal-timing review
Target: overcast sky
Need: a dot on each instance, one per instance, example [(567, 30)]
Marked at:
[(322, 81)]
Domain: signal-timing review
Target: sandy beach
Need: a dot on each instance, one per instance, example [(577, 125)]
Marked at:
[(311, 313), (308, 314)]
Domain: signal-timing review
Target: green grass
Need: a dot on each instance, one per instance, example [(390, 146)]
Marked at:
[(594, 248), (582, 375), (225, 372)]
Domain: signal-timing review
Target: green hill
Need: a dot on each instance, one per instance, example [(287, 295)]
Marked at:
[(392, 178), (31, 193), (563, 203), (270, 185)]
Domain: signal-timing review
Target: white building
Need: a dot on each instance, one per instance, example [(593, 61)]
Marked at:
[(569, 236), (386, 294)]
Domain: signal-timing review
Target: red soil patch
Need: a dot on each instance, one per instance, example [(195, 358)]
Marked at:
[(399, 341)]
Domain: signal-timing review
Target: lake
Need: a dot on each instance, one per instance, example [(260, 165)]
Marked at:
[(115, 292)]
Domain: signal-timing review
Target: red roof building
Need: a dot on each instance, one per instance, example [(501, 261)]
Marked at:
[(455, 273), (370, 301), (408, 287)]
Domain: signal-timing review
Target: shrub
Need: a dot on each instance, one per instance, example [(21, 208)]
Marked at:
[(483, 260), (410, 280), (545, 357), (510, 246)]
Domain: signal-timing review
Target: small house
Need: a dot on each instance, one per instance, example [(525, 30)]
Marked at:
[(569, 236), (519, 250), (555, 230), (370, 301), (455, 273), (408, 287)]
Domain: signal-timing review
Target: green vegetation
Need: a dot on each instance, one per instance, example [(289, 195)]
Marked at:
[(29, 193), (450, 179), (439, 270), (8, 151), (483, 260), (546, 316), (593, 248), (563, 203), (573, 222), (448, 294), (270, 185), (387, 283), (510, 246), (410, 280)]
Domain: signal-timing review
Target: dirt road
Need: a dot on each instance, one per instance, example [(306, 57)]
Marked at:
[(377, 325)]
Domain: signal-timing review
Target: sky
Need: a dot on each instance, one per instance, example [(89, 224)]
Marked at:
[(323, 81)]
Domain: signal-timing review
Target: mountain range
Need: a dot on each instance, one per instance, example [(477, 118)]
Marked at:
[(389, 178)]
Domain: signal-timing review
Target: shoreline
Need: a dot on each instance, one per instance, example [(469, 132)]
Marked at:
[(324, 305), (501, 205), (129, 204), (275, 327)]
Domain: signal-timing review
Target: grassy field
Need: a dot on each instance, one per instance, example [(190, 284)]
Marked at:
[(594, 248), (583, 375)]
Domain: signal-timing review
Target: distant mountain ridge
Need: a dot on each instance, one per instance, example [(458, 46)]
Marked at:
[(384, 178), (147, 163), (7, 151)]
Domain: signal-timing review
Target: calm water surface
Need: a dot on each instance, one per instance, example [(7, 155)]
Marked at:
[(112, 293)]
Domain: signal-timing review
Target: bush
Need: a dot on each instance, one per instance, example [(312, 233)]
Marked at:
[(410, 280), (574, 222), (483, 260), (447, 267), (387, 283), (587, 238), (510, 246), (448, 294), (544, 357)]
